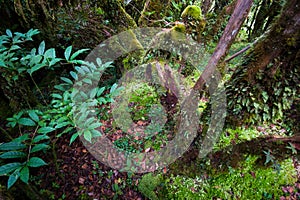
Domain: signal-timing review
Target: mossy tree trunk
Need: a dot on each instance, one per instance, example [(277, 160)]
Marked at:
[(269, 74)]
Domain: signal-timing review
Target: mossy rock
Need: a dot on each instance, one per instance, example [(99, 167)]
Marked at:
[(192, 11)]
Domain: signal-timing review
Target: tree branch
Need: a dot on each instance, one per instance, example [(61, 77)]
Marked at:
[(235, 22)]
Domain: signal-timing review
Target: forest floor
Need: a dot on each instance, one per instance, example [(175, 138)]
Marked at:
[(81, 176), (78, 175)]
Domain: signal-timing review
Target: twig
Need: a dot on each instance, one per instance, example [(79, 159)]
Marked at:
[(241, 51)]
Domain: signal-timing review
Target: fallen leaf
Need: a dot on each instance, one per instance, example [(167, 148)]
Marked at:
[(84, 166), (81, 180)]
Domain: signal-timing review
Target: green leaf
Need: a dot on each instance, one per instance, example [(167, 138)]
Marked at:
[(14, 47), (36, 162), (18, 115), (77, 62), (79, 70), (86, 69), (36, 68), (54, 61), (100, 91), (68, 53), (32, 32), (94, 125), (93, 93), (33, 115), (269, 156), (12, 146), (66, 80), (99, 61), (113, 88), (78, 53), (6, 169), (2, 64), (13, 178), (50, 53), (22, 138), (88, 81), (62, 87), (39, 147), (32, 52), (96, 133), (24, 174), (26, 122), (102, 100), (88, 136), (45, 130), (12, 154), (74, 136), (62, 124), (149, 13), (265, 96), (74, 75), (67, 130), (41, 48), (40, 138), (9, 33), (55, 95)]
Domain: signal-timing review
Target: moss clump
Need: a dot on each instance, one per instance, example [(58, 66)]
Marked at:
[(179, 27), (177, 32), (148, 184), (192, 11), (194, 21)]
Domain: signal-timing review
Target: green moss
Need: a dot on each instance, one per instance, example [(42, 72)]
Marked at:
[(180, 27), (148, 184), (291, 41), (246, 182), (192, 11), (177, 32), (250, 182), (194, 20)]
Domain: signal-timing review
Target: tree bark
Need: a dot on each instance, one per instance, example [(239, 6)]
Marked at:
[(283, 36)]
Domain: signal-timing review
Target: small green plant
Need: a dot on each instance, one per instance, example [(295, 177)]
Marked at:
[(179, 187), (118, 191), (17, 156), (18, 63), (235, 136), (141, 101)]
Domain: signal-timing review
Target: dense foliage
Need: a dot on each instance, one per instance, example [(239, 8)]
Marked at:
[(44, 111)]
